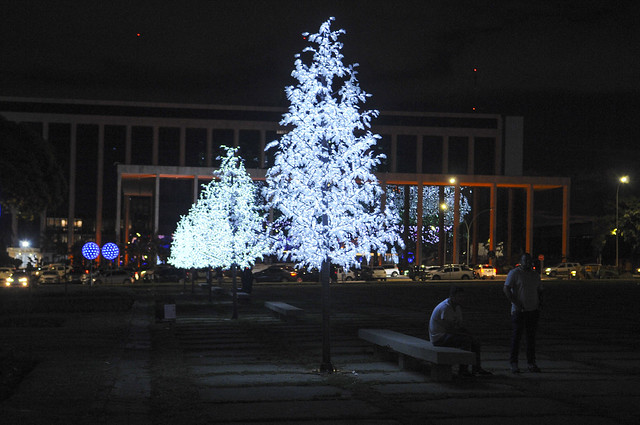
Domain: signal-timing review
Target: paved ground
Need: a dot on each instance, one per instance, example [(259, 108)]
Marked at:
[(207, 368)]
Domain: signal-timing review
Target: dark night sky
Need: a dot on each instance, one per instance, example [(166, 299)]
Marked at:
[(570, 67)]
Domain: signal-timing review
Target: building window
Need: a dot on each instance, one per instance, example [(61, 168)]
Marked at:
[(458, 155), (169, 146), (220, 137), (406, 157), (432, 154), (141, 145), (383, 146), (249, 144), (196, 147), (484, 156)]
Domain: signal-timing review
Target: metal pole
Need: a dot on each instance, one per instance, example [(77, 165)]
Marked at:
[(617, 191), (465, 223)]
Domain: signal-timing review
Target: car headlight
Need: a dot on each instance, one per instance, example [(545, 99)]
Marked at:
[(23, 281), (9, 281)]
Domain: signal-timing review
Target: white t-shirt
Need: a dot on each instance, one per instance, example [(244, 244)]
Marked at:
[(444, 319), (525, 287)]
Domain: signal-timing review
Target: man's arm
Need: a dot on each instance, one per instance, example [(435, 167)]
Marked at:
[(509, 293)]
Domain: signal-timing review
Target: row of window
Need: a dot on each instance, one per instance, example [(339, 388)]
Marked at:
[(407, 159)]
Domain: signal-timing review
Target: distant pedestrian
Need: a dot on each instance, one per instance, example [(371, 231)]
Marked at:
[(446, 330), (524, 289), (247, 280)]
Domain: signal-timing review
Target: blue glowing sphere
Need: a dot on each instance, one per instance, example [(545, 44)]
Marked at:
[(110, 251), (90, 250)]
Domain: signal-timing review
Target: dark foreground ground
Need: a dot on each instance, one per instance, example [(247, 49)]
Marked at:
[(100, 355)]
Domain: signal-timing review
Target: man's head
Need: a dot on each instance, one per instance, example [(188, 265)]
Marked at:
[(455, 294), (526, 263)]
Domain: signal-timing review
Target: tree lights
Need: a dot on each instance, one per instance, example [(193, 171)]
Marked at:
[(322, 184)]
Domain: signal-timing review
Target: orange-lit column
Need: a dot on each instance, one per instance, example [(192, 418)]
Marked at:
[(529, 221), (156, 206), (456, 223), (419, 225)]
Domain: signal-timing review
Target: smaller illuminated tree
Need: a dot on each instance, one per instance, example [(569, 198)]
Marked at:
[(223, 228)]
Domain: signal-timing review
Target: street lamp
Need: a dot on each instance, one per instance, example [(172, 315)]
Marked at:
[(625, 180), (444, 209), (468, 229)]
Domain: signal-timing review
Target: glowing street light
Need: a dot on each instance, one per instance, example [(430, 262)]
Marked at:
[(444, 209), (623, 180)]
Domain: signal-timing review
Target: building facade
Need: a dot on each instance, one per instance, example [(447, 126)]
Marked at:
[(134, 168)]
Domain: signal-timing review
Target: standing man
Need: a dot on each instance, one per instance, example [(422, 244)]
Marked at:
[(524, 289), (445, 330)]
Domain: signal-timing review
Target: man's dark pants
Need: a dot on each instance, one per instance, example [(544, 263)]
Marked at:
[(461, 341), (527, 322)]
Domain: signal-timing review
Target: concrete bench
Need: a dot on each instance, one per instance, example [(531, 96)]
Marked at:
[(284, 310), (243, 297), (440, 358)]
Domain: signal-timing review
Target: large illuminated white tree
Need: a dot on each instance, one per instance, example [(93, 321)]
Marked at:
[(224, 228), (321, 185)]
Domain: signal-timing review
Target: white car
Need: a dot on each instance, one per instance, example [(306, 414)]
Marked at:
[(49, 276), (453, 272), (5, 272), (61, 269), (344, 276), (391, 270), (378, 273), (483, 271), (563, 270)]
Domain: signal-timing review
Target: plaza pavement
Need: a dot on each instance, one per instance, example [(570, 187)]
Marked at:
[(207, 368)]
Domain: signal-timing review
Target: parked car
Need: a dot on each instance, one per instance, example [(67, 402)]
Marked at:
[(61, 269), (313, 274), (451, 272), (49, 276), (164, 274), (344, 276), (372, 273), (563, 270), (483, 271), (419, 273), (111, 277), (5, 272), (78, 275), (18, 279), (391, 270), (276, 273), (308, 275)]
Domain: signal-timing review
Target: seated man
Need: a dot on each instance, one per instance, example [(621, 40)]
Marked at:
[(445, 330)]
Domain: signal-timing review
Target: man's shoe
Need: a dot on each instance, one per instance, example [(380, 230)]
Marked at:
[(514, 368), (534, 368), (480, 371)]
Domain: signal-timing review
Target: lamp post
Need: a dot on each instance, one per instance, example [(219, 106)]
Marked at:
[(468, 229), (444, 208), (625, 180)]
